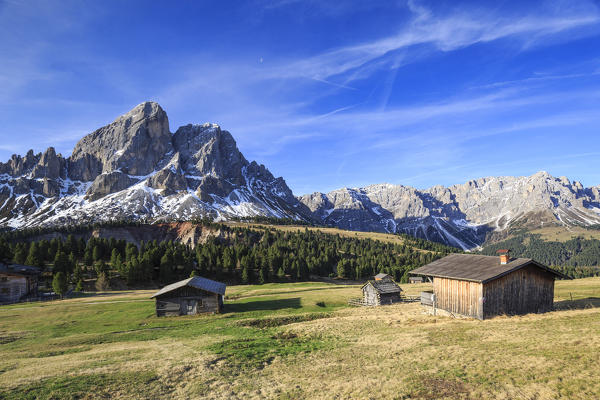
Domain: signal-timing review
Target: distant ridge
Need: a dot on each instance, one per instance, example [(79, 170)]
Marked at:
[(464, 215)]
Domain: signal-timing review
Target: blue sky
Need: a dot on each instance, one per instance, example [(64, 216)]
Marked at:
[(325, 94)]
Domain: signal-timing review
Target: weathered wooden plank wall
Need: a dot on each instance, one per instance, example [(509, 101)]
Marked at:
[(458, 297), (528, 290), (370, 296)]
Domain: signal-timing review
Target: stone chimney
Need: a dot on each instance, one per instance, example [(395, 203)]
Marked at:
[(504, 256)]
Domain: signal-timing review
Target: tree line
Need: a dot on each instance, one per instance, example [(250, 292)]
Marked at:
[(577, 257), (241, 255)]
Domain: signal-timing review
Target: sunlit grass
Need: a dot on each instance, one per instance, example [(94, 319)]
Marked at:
[(298, 340)]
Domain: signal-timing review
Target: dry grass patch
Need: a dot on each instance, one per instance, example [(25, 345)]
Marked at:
[(276, 342)]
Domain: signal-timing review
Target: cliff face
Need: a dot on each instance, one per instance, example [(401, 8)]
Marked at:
[(135, 169)]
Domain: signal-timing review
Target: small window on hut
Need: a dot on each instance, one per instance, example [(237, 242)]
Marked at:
[(4, 279)]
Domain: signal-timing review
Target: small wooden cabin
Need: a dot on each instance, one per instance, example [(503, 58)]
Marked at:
[(191, 296), (415, 279), (18, 282), (382, 290), (484, 286)]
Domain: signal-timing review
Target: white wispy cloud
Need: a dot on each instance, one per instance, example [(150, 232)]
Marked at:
[(445, 33)]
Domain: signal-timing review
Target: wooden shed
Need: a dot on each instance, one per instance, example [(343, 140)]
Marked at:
[(18, 282), (381, 291), (195, 295), (484, 286)]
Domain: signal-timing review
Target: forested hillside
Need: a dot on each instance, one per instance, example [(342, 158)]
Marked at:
[(577, 257), (233, 254)]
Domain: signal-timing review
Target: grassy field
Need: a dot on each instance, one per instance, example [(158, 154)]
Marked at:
[(562, 234), (294, 341), (383, 237)]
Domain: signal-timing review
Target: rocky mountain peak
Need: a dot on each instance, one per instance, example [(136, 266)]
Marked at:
[(134, 168), (208, 150), (134, 143)]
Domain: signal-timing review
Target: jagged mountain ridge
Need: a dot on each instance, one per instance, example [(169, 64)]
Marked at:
[(136, 169), (464, 215)]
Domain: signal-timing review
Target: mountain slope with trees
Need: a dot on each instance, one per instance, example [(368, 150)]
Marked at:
[(577, 257), (233, 254)]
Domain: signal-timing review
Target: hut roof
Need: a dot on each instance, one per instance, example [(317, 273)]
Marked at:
[(476, 268), (381, 275), (22, 270), (384, 287), (196, 282)]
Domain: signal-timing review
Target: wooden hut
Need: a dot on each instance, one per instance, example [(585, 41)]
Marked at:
[(18, 282), (484, 286), (382, 290), (195, 295), (415, 279)]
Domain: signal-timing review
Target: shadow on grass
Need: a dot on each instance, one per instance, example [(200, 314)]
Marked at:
[(262, 305), (578, 304), (77, 295), (283, 291)]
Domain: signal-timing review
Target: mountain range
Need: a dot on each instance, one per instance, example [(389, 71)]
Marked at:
[(136, 169)]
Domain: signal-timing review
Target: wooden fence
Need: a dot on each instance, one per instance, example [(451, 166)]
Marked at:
[(360, 302)]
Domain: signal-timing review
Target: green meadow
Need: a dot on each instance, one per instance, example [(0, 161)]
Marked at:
[(294, 341)]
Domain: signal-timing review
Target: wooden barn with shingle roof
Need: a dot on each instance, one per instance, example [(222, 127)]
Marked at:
[(382, 290), (190, 296), (484, 286)]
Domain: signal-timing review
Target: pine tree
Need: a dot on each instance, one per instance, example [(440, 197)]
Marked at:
[(59, 284), (5, 252), (101, 268), (33, 258), (131, 251), (21, 253), (245, 274), (77, 274), (61, 263), (281, 273), (263, 274), (97, 253), (113, 257), (166, 274), (88, 258)]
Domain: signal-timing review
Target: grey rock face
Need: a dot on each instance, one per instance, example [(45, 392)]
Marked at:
[(50, 188), (207, 150), (108, 183), (213, 186), (50, 165), (134, 143), (18, 165), (168, 179)]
